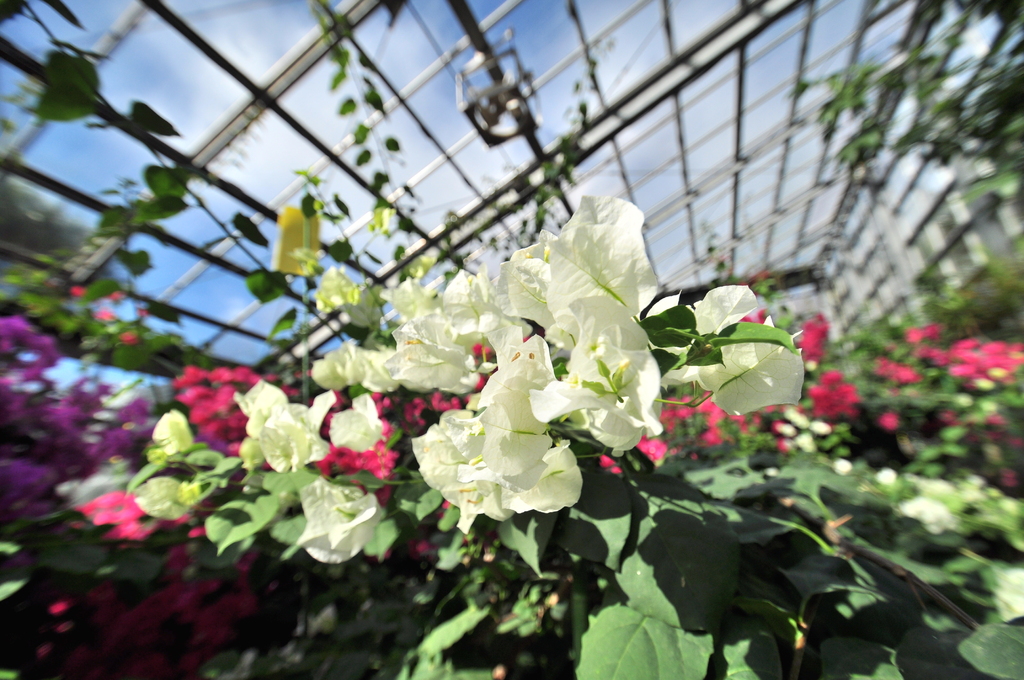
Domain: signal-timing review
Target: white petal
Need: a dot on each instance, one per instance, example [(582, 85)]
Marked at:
[(723, 307), (754, 375)]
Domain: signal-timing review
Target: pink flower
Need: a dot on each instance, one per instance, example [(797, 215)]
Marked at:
[(654, 449), (833, 398), (105, 314), (118, 508), (930, 332), (129, 338), (610, 464), (116, 296), (896, 372), (813, 340), (77, 291), (889, 421)]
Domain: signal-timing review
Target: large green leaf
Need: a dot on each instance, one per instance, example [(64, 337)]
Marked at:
[(418, 500), (100, 289), (284, 323), (73, 558), (149, 120), (744, 331), (71, 85), (249, 230), (996, 649), (137, 262), (13, 580), (158, 208), (288, 482), (598, 525), (926, 654), (856, 659), (528, 534), (240, 519), (384, 536), (164, 181), (266, 285), (748, 650), (451, 631), (623, 644), (684, 568), (675, 327)]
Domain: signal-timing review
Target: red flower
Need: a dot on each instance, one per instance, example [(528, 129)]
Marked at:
[(77, 291), (129, 338), (889, 421), (896, 372), (813, 340), (833, 398)]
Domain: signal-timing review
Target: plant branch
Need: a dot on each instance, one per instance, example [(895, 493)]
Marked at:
[(847, 549)]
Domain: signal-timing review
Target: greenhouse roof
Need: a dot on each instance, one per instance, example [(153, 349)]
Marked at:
[(691, 115)]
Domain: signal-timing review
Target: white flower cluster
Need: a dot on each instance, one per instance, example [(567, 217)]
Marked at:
[(586, 288)]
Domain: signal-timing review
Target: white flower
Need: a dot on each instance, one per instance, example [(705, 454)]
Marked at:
[(936, 488), (886, 476), (723, 306), (336, 290), (805, 442), (842, 466), (172, 433), (471, 304), (368, 311), (419, 267), (166, 497), (935, 516), (251, 454), (752, 376), (353, 365), (559, 485), (258, 403), (797, 418), (412, 300), (428, 358), (358, 428), (522, 286), (1009, 592), (821, 428), (440, 460), (290, 437), (771, 472), (612, 377), (786, 430), (600, 252), (340, 520)]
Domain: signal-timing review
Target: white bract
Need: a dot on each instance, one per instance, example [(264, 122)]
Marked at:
[(290, 437), (471, 304), (258, 403), (172, 433), (166, 497), (411, 299), (340, 520), (933, 514), (522, 286), (428, 358), (358, 428), (336, 290), (351, 364)]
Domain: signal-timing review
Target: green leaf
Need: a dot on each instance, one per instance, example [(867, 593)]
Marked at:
[(158, 208), (238, 520), (289, 482), (163, 181), (162, 311), (289, 530), (286, 322), (147, 471), (204, 458), (8, 548), (342, 207), (308, 205), (684, 568), (418, 500), (451, 631), (100, 289), (134, 565), (528, 534), (667, 361), (150, 120), (340, 250), (62, 9), (368, 480), (384, 536), (71, 85), (12, 581), (725, 481), (675, 327), (598, 525), (10, 8), (74, 559), (130, 357), (360, 134), (249, 230), (816, 574), (782, 622), (996, 649), (623, 644), (348, 106), (266, 285), (926, 654), (753, 332), (364, 157), (449, 519), (373, 98), (856, 659), (136, 262), (748, 650), (391, 144)]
